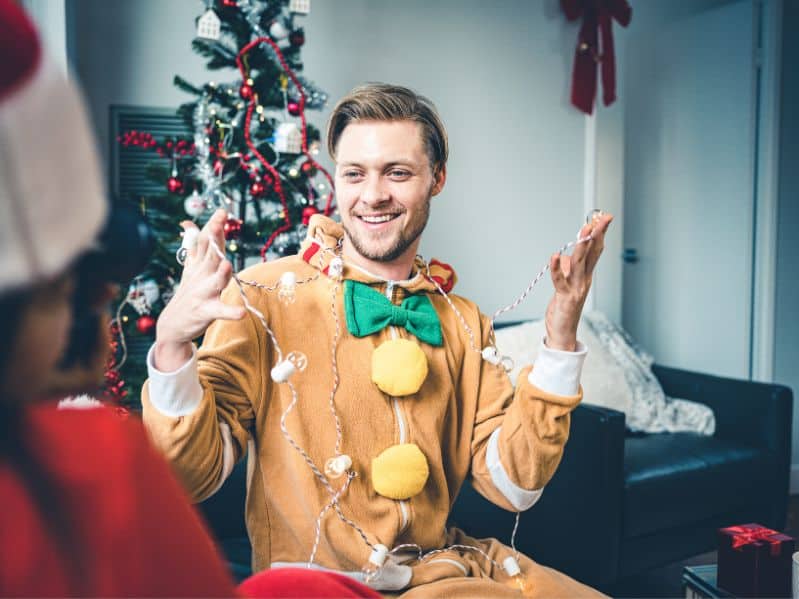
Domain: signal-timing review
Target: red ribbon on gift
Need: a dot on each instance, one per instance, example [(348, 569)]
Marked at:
[(746, 534), (597, 15)]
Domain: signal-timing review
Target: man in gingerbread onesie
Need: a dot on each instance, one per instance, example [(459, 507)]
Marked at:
[(361, 391)]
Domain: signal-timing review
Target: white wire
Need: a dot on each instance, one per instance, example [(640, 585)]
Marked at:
[(335, 495)]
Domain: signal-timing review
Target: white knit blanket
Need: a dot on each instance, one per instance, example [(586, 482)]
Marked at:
[(617, 374)]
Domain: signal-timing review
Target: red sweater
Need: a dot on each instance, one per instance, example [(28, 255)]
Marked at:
[(136, 532)]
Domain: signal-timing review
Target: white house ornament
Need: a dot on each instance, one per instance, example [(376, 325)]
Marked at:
[(288, 139), (209, 25), (300, 7)]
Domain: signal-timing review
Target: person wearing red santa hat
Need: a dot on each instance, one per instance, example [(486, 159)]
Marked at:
[(89, 507)]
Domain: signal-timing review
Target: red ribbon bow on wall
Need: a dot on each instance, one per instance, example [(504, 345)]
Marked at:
[(746, 534), (597, 15)]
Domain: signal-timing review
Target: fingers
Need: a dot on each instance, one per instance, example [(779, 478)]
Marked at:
[(224, 273), (558, 276), (222, 311), (215, 230), (199, 248), (581, 249), (598, 242), (204, 252)]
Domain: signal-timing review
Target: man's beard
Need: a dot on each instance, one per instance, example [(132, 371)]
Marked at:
[(403, 242)]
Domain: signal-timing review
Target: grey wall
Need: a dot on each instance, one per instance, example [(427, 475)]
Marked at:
[(786, 350), (498, 71), (50, 18)]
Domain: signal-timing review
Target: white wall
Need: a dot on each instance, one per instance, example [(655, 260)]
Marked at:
[(50, 18), (655, 13), (499, 73), (786, 350)]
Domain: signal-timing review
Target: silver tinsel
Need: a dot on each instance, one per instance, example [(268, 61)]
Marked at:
[(203, 169), (212, 183)]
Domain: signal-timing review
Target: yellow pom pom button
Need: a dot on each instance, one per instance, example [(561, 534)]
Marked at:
[(399, 367), (400, 472)]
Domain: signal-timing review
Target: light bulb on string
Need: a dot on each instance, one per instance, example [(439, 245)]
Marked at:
[(517, 579), (594, 215), (336, 466), (294, 362), (335, 269), (287, 288), (376, 560)]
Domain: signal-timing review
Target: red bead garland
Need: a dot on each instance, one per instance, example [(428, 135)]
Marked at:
[(247, 136), (114, 387), (146, 141)]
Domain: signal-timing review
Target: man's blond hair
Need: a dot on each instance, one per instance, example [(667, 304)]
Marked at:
[(384, 102)]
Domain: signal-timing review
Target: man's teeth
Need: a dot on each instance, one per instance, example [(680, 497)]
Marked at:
[(378, 219)]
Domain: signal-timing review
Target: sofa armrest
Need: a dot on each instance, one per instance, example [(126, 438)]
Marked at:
[(757, 414), (575, 526)]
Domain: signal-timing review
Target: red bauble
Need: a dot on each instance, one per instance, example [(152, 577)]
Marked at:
[(232, 228), (219, 166), (307, 213), (257, 189), (230, 3), (145, 324), (174, 185), (308, 168), (245, 91), (297, 38), (293, 107)]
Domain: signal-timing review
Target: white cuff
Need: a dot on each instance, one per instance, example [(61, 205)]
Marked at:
[(521, 499), (175, 393), (557, 371)]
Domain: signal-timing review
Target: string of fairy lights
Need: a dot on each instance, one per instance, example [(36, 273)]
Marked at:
[(286, 365)]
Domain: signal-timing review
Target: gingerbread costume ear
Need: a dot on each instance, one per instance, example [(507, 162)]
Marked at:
[(443, 274), (52, 201)]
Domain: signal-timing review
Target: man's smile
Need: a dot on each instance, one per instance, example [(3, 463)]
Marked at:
[(375, 221)]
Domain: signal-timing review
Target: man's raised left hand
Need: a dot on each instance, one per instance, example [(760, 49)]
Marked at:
[(572, 276)]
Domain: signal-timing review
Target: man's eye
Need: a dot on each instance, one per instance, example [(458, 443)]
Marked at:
[(399, 174), (352, 175)]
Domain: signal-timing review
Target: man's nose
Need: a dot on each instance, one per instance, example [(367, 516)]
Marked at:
[(374, 191)]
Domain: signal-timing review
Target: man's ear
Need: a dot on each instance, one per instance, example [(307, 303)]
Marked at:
[(440, 178)]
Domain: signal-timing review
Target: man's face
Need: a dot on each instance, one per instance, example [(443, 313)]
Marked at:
[(384, 182)]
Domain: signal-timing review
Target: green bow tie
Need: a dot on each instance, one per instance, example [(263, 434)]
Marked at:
[(369, 311)]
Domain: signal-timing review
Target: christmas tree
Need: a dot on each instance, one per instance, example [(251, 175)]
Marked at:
[(251, 152)]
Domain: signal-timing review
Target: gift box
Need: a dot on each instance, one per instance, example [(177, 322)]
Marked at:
[(754, 561)]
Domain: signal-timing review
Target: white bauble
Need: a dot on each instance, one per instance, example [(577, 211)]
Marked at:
[(194, 205), (278, 31)]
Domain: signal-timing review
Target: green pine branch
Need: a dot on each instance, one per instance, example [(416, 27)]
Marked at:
[(218, 54), (185, 86)]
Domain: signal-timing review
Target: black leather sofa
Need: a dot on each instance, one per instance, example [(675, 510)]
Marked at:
[(620, 504)]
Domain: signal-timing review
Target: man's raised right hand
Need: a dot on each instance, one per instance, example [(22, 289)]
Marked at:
[(196, 303)]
